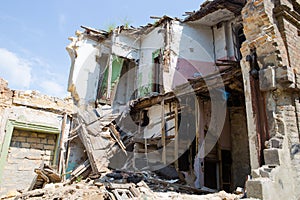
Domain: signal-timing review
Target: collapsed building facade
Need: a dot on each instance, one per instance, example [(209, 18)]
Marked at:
[(212, 98), (215, 95)]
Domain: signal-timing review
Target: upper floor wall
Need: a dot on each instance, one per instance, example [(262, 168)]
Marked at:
[(156, 58)]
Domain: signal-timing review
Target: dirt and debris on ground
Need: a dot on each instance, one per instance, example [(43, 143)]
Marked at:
[(119, 185)]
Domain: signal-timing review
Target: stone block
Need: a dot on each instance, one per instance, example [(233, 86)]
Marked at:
[(264, 173), (285, 74), (19, 139), (48, 152), (49, 147), (255, 173), (24, 134), (267, 79), (51, 141), (44, 141), (33, 140), (37, 146), (42, 135), (254, 189), (272, 156), (33, 135), (25, 145)]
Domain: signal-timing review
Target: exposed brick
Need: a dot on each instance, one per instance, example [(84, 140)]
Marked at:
[(51, 141), (33, 140), (44, 141), (24, 134), (19, 139), (37, 146), (33, 135), (25, 145), (42, 135), (49, 147)]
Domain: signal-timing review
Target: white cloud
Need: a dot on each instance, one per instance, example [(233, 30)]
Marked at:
[(30, 73), (53, 88), (15, 70)]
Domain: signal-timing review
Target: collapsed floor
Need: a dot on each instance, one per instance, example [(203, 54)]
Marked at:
[(119, 185)]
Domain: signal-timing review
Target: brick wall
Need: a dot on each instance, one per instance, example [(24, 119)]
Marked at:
[(288, 24), (26, 152)]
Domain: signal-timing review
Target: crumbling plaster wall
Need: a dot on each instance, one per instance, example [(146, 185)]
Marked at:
[(150, 43), (125, 45), (195, 48), (85, 70)]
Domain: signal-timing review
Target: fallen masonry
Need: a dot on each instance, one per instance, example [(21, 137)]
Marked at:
[(175, 109), (114, 188)]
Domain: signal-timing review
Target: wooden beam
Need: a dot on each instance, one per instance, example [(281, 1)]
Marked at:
[(62, 150), (197, 123), (163, 131), (176, 146), (116, 136)]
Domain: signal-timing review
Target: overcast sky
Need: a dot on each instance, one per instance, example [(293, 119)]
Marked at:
[(34, 34)]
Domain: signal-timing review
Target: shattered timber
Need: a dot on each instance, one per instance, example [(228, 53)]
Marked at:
[(193, 108)]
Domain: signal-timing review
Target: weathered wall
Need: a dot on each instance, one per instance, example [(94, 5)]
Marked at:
[(126, 46), (287, 16), (27, 151), (151, 42), (23, 151), (272, 38), (84, 70), (192, 52), (240, 147)]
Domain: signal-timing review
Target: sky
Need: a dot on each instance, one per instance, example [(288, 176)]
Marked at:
[(34, 34)]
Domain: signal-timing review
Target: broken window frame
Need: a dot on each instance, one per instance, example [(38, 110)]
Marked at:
[(156, 84), (11, 125)]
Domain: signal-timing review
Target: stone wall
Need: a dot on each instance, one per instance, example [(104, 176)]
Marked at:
[(46, 119), (27, 151), (240, 147)]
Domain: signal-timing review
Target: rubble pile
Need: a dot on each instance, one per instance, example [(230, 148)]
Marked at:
[(99, 189), (115, 185)]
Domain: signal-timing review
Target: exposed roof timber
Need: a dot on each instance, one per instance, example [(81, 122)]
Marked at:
[(229, 76), (95, 33), (149, 27), (235, 6)]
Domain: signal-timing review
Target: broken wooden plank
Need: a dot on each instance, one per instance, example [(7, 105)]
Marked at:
[(116, 136), (151, 141)]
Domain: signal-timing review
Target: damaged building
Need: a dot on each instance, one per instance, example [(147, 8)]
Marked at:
[(33, 130), (211, 100), (215, 96)]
